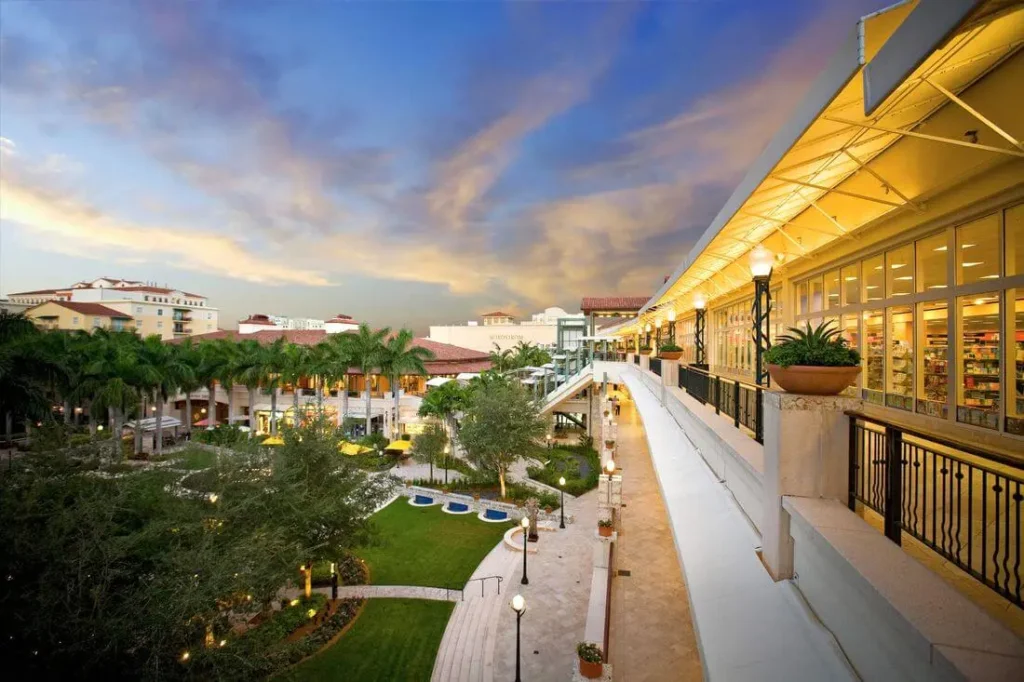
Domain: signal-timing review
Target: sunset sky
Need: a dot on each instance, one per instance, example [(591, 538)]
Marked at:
[(404, 163)]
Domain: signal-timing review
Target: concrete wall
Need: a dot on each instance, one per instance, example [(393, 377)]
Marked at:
[(483, 338)]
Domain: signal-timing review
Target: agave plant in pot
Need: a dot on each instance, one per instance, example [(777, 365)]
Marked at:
[(645, 349), (670, 351), (591, 660), (813, 361), (604, 528)]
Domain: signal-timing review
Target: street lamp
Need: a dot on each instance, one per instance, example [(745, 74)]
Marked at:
[(526, 536), (549, 441), (672, 326), (609, 468), (700, 323), (761, 261), (447, 450), (561, 484), (519, 606)]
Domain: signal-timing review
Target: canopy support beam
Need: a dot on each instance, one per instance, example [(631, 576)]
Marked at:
[(924, 136), (885, 183), (834, 190), (976, 114)]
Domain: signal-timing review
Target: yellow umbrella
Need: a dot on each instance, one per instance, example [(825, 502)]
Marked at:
[(274, 440), (399, 445), (352, 449)]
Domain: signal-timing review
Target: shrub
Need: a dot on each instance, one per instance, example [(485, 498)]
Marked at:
[(822, 346), (669, 348), (589, 653), (376, 441), (605, 523)]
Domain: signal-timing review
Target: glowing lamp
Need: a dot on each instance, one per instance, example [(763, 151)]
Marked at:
[(561, 480), (99, 427), (657, 323), (698, 301), (648, 327), (525, 522), (672, 316), (518, 603), (610, 467), (761, 261)]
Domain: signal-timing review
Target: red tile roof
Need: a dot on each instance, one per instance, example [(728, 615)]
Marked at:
[(497, 313), (38, 291), (628, 303), (258, 319), (88, 309)]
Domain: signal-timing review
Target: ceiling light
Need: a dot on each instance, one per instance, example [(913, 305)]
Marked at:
[(937, 286), (873, 286), (878, 267), (974, 264), (967, 246), (941, 248), (897, 266), (989, 277), (904, 278), (851, 279)]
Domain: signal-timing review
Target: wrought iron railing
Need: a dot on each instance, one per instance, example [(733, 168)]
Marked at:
[(655, 365), (636, 359), (731, 397), (962, 501)]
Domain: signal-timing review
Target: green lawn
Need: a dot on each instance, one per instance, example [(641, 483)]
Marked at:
[(392, 639), (425, 546)]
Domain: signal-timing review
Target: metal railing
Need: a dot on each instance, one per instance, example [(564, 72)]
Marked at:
[(483, 580), (449, 588), (636, 359), (655, 365), (737, 399), (961, 501)]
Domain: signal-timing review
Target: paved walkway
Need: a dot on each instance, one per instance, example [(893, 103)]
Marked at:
[(651, 637), (383, 592), (409, 470)]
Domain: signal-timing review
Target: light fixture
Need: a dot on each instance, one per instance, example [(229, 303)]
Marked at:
[(203, 410), (223, 643), (871, 286), (904, 278), (851, 278), (897, 266), (214, 497), (698, 301), (940, 248), (525, 523), (967, 246), (657, 323), (672, 315), (185, 656), (152, 408), (879, 267), (937, 286), (609, 467), (761, 261), (648, 327), (973, 264), (99, 427), (561, 480), (989, 277)]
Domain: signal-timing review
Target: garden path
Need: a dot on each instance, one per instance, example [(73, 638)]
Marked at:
[(382, 592)]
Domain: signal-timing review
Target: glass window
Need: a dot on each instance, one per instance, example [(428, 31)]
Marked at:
[(1014, 219), (900, 271), (874, 279), (74, 319), (978, 393), (932, 257), (899, 389), (833, 286), (95, 321), (159, 311), (933, 375), (160, 324), (874, 356), (849, 327), (802, 306), (816, 295), (851, 284), (977, 250), (1015, 350)]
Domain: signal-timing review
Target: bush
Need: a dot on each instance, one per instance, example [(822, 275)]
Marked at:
[(669, 348), (351, 571), (222, 434), (822, 346), (589, 653), (564, 461), (376, 441)]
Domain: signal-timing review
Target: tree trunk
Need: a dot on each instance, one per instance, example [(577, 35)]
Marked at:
[(92, 420), (295, 407), (319, 381), (252, 411), (344, 400), (116, 436), (501, 480), (273, 412), (395, 393), (67, 411), (368, 417), (8, 425), (188, 412), (231, 402), (137, 432), (211, 407), (431, 469), (341, 418), (159, 425)]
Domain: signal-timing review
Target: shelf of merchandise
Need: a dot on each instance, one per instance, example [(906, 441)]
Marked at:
[(980, 380)]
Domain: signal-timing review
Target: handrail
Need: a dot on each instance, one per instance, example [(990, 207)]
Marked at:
[(483, 581), (968, 448), (695, 368)]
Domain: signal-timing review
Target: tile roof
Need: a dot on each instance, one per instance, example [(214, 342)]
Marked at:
[(38, 291), (88, 309), (613, 303), (497, 313)]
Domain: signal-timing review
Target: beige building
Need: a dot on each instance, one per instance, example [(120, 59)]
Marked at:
[(75, 316), (169, 313), (501, 330)]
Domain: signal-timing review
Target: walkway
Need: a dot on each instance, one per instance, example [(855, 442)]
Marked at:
[(749, 627), (383, 592), (651, 637)]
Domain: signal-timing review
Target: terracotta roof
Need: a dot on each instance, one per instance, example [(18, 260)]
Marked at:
[(258, 319), (497, 313), (38, 291), (88, 309), (630, 303), (343, 319)]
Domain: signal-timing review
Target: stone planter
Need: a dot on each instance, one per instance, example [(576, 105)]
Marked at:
[(645, 352), (813, 380), (670, 354), (609, 444), (591, 671), (604, 531)]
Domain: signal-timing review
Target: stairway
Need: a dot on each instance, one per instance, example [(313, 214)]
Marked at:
[(466, 653), (576, 383)]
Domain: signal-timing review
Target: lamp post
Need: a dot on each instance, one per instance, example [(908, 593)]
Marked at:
[(549, 441), (561, 485), (647, 328), (761, 260), (526, 536), (447, 449), (699, 305), (672, 326), (519, 606), (657, 341), (609, 468)]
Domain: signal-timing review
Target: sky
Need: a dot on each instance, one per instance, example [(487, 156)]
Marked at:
[(405, 163)]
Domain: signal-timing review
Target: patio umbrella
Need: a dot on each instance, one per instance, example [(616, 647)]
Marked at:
[(274, 440), (352, 449), (399, 446)]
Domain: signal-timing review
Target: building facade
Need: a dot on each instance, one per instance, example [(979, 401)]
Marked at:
[(77, 316), (501, 330), (169, 313)]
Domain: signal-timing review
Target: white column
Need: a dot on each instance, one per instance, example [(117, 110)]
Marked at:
[(806, 454)]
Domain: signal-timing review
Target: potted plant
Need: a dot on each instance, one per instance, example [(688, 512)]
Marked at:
[(591, 660), (813, 361), (604, 528), (609, 444), (670, 351), (645, 350)]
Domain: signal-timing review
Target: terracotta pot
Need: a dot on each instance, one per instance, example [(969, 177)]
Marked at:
[(591, 671), (609, 444), (813, 380), (670, 354), (645, 352), (605, 531)]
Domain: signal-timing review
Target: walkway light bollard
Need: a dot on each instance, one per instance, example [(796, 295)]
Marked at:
[(447, 451), (609, 468), (549, 441), (526, 537), (518, 605), (561, 485)]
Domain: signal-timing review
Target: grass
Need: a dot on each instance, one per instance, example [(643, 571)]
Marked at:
[(425, 546), (195, 458), (392, 639)]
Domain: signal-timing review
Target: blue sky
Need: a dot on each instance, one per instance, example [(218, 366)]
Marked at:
[(402, 162)]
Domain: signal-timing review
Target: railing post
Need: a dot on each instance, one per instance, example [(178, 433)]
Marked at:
[(851, 495), (759, 417), (718, 393), (736, 404), (893, 484)]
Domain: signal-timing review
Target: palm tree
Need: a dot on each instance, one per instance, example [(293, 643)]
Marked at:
[(443, 403), (249, 372), (399, 357), (342, 358), (227, 352), (210, 363), (22, 365), (175, 372), (112, 370), (187, 354), (501, 360), (296, 366), (367, 347), (273, 360)]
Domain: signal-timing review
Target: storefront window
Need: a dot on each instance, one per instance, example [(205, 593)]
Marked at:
[(816, 295), (899, 390), (900, 271), (849, 326), (932, 257), (1014, 219), (802, 305), (874, 356), (833, 286), (851, 284), (874, 279), (977, 250), (1015, 406), (978, 394), (933, 379)]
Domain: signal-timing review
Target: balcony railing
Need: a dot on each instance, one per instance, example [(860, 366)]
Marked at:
[(636, 359), (731, 397), (962, 501), (655, 365)]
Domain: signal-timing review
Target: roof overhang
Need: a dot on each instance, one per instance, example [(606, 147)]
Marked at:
[(880, 131)]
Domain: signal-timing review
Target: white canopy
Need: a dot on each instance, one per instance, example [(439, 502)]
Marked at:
[(438, 381), (466, 376), (529, 382), (149, 423)]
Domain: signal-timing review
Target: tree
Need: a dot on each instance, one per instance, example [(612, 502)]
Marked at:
[(112, 374), (342, 358), (296, 366), (429, 446), (367, 348), (249, 372), (23, 368), (210, 364), (398, 357), (188, 355), (173, 372), (227, 372), (502, 424), (444, 402), (273, 361)]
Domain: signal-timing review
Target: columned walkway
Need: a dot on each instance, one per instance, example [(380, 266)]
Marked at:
[(652, 636)]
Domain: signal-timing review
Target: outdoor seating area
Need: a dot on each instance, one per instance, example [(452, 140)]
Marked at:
[(456, 508)]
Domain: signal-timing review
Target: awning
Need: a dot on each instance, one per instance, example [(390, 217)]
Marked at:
[(149, 424), (352, 449), (274, 440), (528, 381), (467, 376), (438, 381), (399, 445)]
